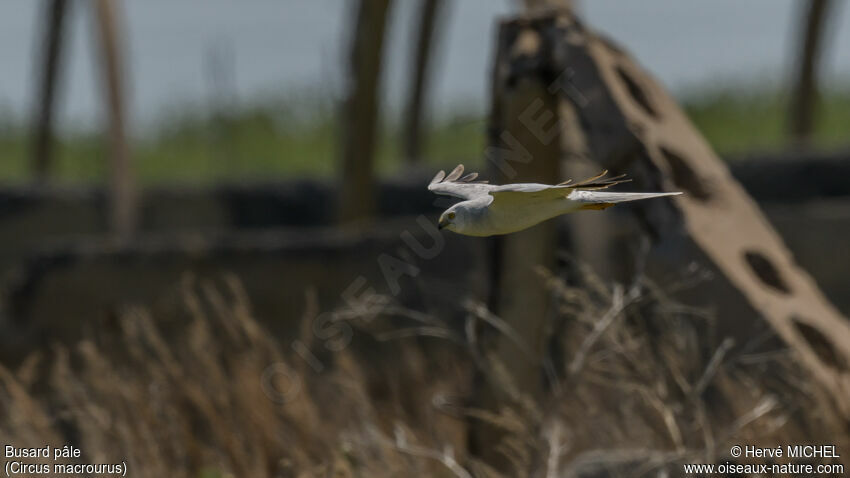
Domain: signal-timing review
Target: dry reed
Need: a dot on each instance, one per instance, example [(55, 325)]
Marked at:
[(636, 385)]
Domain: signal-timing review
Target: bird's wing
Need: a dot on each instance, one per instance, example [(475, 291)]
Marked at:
[(462, 187), (528, 192), (533, 192), (603, 199)]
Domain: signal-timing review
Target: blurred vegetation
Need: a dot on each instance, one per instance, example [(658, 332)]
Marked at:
[(753, 119), (283, 138)]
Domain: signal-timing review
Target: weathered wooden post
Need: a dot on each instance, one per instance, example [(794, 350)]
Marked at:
[(524, 145), (360, 115), (805, 91), (430, 14), (49, 77), (122, 194)]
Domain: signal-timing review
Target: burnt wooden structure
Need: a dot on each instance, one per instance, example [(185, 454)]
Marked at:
[(611, 111)]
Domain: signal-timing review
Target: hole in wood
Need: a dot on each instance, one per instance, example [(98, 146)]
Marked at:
[(684, 177), (638, 95), (821, 346), (764, 269)]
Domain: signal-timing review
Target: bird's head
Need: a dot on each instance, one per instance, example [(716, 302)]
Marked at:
[(453, 218)]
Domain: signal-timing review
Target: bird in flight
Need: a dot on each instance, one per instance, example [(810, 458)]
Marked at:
[(488, 210)]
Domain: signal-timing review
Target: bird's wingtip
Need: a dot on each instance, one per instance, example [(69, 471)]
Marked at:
[(439, 177), (455, 174)]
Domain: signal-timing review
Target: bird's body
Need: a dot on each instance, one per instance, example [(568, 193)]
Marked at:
[(490, 221), (489, 210)]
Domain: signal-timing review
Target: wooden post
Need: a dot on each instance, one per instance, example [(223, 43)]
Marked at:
[(49, 76), (805, 94), (419, 76), (122, 196), (524, 146), (360, 116)]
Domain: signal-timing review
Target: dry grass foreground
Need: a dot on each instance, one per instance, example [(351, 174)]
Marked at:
[(636, 386)]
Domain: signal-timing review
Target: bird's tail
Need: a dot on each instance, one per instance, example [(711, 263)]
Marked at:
[(605, 199)]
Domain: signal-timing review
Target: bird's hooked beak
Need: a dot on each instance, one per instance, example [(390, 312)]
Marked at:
[(443, 223)]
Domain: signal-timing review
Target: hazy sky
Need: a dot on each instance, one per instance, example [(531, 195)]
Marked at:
[(266, 47)]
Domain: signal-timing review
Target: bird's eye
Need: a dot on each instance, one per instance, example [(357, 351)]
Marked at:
[(451, 216)]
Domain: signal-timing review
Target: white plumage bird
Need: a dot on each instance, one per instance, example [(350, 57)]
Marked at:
[(488, 210)]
